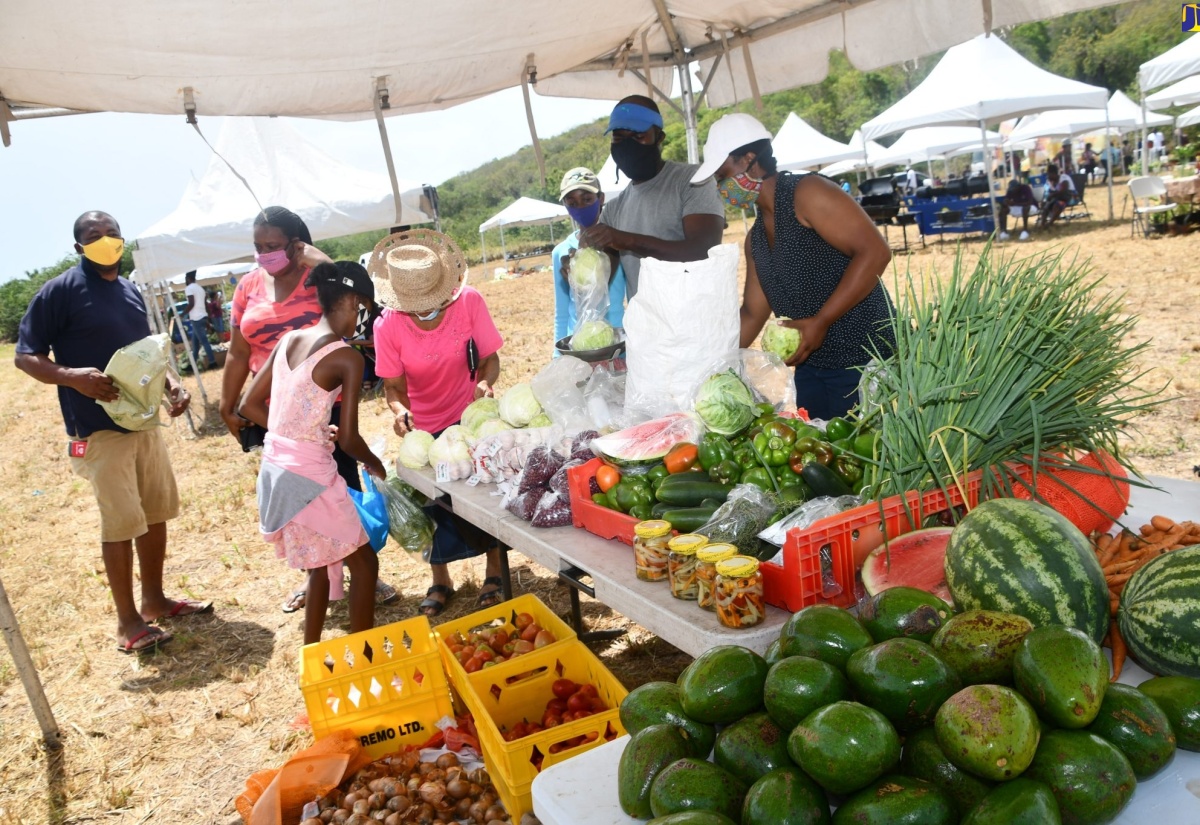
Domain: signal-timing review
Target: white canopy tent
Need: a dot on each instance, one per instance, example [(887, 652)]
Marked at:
[(223, 275), (979, 82), (1067, 123), (612, 182), (1180, 93), (927, 142), (1121, 108), (1189, 118), (214, 220), (864, 151), (1173, 64), (522, 212), (798, 145)]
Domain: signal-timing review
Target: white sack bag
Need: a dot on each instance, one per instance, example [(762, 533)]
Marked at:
[(683, 318)]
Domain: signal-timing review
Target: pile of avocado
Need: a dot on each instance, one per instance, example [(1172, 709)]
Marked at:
[(910, 715)]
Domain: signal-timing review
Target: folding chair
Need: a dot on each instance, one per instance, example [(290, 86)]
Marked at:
[(1145, 189), (1076, 208)]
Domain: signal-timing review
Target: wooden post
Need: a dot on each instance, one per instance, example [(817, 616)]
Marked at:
[(28, 672)]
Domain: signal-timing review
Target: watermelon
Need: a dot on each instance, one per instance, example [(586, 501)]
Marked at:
[(1022, 557), (916, 559), (642, 446), (1159, 615)]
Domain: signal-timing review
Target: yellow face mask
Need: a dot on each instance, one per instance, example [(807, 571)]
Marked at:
[(104, 251)]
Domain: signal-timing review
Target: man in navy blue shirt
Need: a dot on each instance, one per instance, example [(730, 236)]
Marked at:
[(84, 316)]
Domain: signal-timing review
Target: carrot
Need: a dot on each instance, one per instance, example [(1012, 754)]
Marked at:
[(1109, 552), (1114, 603), (1162, 524), (1189, 540), (1117, 567), (1118, 650), (1118, 579), (1146, 529), (1102, 542)]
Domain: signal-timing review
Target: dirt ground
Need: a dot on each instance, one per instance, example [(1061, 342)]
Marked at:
[(171, 738)]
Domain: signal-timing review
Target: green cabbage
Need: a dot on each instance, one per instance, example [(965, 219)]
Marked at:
[(491, 427), (783, 341), (518, 406), (479, 411), (448, 447), (540, 420), (414, 449), (593, 335), (589, 267), (724, 403)]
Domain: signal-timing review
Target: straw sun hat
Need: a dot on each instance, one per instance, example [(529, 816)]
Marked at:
[(417, 270)]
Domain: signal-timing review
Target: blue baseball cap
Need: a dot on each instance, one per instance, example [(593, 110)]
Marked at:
[(633, 117)]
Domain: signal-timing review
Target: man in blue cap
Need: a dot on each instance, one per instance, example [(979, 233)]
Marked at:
[(661, 214)]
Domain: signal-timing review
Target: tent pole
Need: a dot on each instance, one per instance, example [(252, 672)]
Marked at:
[(381, 103), (27, 670), (551, 225), (529, 74), (988, 157), (171, 352), (483, 254), (685, 79), (1108, 176), (503, 248), (1145, 160)]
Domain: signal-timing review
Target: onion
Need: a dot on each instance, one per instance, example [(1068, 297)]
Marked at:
[(477, 810), (362, 806), (340, 816), (327, 815), (414, 782), (312, 820), (480, 776), (475, 791), (458, 788), (394, 819), (463, 809), (349, 799), (495, 812), (432, 792), (447, 760), (377, 800), (399, 803)]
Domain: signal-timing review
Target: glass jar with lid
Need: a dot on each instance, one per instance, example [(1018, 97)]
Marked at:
[(739, 592), (681, 564), (650, 549), (706, 571)]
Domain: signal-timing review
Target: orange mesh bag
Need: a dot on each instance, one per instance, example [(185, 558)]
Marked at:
[(1090, 500), (273, 797)]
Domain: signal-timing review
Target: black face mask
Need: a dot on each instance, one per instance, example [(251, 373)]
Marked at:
[(637, 161)]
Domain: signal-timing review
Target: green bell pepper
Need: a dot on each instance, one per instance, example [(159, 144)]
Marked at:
[(809, 450), (743, 454), (641, 512), (657, 473), (713, 449), (848, 468), (601, 499), (794, 491), (726, 472), (760, 478), (774, 449), (843, 447), (629, 493), (866, 443), (805, 430), (838, 428)]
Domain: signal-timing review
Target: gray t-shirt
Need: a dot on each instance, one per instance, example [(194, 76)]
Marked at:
[(657, 208)]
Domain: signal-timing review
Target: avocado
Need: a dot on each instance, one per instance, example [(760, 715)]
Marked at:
[(648, 751), (752, 747), (904, 612), (823, 632), (980, 645), (798, 685), (897, 800), (693, 784), (1091, 780), (1019, 802), (1063, 674), (988, 730), (774, 653), (723, 684), (1179, 698), (1139, 728), (656, 703), (923, 758), (903, 679), (693, 818), (785, 796), (845, 746)]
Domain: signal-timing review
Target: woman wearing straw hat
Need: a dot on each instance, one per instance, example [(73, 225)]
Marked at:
[(437, 350)]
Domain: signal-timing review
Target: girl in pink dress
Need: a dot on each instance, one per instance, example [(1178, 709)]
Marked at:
[(304, 507)]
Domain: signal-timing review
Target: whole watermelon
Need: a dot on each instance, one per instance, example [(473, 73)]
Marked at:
[(1159, 614), (1022, 557)]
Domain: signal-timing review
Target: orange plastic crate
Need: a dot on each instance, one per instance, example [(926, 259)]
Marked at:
[(799, 582), (497, 701), (386, 684), (590, 516)]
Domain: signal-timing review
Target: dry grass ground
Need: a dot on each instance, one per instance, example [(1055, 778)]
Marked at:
[(170, 739)]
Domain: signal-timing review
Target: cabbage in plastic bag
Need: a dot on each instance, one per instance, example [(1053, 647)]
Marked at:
[(519, 406)]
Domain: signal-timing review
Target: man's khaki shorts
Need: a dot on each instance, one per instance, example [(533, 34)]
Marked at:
[(132, 479)]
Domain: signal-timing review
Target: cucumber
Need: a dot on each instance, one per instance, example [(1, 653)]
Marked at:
[(658, 509), (691, 492), (824, 481), (689, 519)]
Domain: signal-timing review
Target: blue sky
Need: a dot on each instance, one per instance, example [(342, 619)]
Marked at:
[(136, 166)]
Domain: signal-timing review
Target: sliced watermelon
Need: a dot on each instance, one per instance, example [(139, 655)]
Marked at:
[(917, 559), (644, 445)]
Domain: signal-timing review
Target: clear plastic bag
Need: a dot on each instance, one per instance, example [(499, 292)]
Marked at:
[(559, 389), (408, 524), (808, 514), (764, 374), (632, 443), (740, 519), (604, 395), (589, 281)]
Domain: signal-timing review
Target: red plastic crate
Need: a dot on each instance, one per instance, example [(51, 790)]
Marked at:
[(590, 516), (798, 582)]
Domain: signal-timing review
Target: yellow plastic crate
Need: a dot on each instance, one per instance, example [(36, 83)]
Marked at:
[(517, 801), (386, 684), (497, 701), (503, 614)]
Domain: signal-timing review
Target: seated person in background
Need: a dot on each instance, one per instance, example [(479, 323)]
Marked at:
[(1089, 161), (1060, 191), (1019, 201)]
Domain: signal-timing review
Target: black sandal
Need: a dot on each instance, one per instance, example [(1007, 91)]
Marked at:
[(492, 597), (432, 607)]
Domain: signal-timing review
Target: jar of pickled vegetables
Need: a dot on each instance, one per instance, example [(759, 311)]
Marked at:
[(650, 549), (706, 571), (681, 564), (738, 592)]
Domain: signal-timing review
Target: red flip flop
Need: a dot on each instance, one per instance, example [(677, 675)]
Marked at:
[(131, 647), (180, 606)]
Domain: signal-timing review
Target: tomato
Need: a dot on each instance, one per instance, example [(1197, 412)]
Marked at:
[(468, 651), (530, 633), (509, 648), (589, 690), (485, 654), (680, 459), (523, 621), (551, 720), (596, 705), (499, 639), (522, 646), (578, 701), (607, 477), (473, 664), (559, 706), (563, 688), (544, 638)]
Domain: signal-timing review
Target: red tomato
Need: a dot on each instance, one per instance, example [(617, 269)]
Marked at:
[(468, 651), (499, 639), (484, 654), (544, 638), (597, 705), (557, 705), (530, 633), (551, 720), (563, 688), (522, 646), (578, 701), (589, 690), (523, 621), (607, 477), (473, 664)]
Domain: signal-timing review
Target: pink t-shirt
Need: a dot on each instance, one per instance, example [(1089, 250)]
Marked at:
[(435, 361)]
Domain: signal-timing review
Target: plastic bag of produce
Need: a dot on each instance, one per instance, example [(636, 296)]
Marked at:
[(408, 524), (808, 514), (559, 389), (551, 511), (540, 465), (738, 521), (732, 385), (524, 505), (605, 396), (558, 481)]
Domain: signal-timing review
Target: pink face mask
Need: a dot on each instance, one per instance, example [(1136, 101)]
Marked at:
[(273, 262)]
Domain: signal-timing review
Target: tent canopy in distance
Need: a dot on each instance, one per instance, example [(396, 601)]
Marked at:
[(1173, 64), (858, 162), (1121, 108), (799, 146), (1180, 93), (526, 212), (928, 142), (214, 220), (1067, 123), (983, 80)]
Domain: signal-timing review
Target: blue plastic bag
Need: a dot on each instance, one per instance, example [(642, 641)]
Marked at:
[(372, 512)]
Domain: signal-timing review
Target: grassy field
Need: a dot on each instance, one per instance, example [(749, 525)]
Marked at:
[(171, 738)]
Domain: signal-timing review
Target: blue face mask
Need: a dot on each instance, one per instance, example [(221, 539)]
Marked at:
[(585, 216)]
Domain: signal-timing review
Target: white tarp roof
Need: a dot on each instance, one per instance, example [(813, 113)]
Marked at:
[(1067, 123), (1188, 118), (214, 221), (799, 146), (526, 212), (145, 55), (215, 275), (856, 163), (1174, 64), (1120, 107), (985, 80), (611, 179), (1177, 94), (927, 142)]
